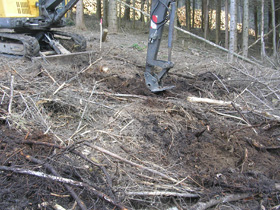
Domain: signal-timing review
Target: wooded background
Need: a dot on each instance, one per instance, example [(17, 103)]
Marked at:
[(233, 24)]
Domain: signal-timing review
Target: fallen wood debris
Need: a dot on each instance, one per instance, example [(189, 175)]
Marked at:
[(63, 180), (218, 200)]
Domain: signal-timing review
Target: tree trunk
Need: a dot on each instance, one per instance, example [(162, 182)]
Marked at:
[(262, 33), (134, 14), (119, 11), (202, 14), (273, 28), (245, 28), (127, 11), (218, 21), (142, 9), (206, 18), (233, 29), (112, 17), (188, 14), (98, 9), (256, 21), (193, 13), (105, 13), (226, 24), (80, 23), (175, 32)]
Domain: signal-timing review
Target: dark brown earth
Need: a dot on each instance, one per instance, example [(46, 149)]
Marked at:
[(214, 150)]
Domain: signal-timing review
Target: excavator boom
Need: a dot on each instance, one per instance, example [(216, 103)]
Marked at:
[(161, 12)]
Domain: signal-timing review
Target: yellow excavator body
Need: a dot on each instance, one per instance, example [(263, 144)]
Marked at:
[(18, 8)]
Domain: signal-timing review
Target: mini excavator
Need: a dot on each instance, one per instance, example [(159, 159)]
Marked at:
[(32, 22)]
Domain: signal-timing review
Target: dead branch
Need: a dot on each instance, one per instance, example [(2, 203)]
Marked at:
[(63, 180), (162, 193), (194, 99), (215, 201), (54, 172), (260, 146), (139, 166)]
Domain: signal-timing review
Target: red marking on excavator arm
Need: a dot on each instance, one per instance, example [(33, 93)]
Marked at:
[(154, 21)]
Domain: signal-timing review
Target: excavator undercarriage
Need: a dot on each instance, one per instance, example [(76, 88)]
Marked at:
[(29, 44)]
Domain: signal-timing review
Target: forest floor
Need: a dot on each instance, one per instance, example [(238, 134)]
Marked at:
[(92, 121)]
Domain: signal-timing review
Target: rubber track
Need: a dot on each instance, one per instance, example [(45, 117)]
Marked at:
[(80, 41), (31, 44)]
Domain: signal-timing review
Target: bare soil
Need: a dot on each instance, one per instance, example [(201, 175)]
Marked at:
[(61, 107)]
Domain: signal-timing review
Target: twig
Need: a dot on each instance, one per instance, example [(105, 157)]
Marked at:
[(63, 180), (138, 165), (244, 118), (11, 95), (84, 111), (215, 201), (260, 146), (220, 81), (162, 193), (227, 115)]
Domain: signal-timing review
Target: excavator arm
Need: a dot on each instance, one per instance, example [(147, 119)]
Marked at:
[(161, 12)]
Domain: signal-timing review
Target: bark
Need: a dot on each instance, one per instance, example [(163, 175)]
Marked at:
[(226, 24), (98, 9), (142, 9), (273, 28), (193, 14), (256, 21), (134, 14), (202, 14), (206, 18), (218, 21), (233, 29), (245, 28), (188, 14), (127, 11), (80, 23), (105, 13), (262, 32), (112, 17)]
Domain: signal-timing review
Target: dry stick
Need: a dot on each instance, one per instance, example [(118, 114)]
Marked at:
[(244, 118), (11, 95), (215, 201), (162, 193), (54, 172), (139, 166), (62, 180), (84, 111)]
